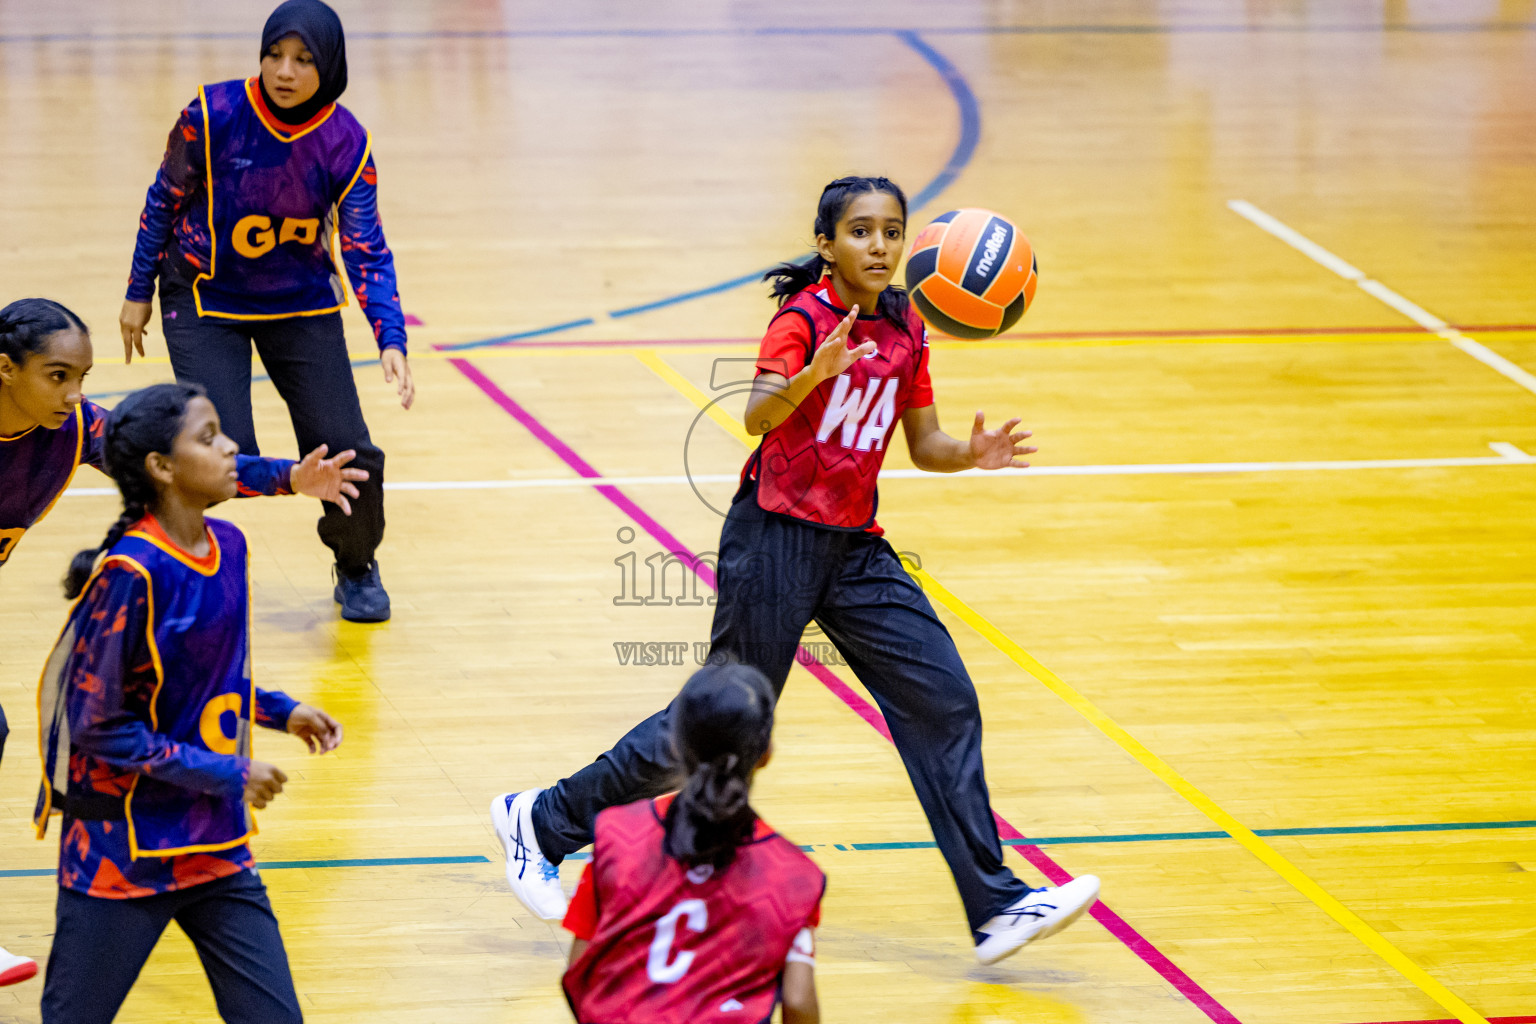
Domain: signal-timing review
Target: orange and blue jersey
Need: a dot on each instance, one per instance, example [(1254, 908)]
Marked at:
[(37, 465), (821, 464), (247, 207), (145, 711)]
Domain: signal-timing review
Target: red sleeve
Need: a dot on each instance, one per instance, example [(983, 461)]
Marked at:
[(921, 395), (581, 915), (784, 348)]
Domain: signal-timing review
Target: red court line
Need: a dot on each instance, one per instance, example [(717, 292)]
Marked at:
[(1117, 926), (1491, 1020), (1223, 332)]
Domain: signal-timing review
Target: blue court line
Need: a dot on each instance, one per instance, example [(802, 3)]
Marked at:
[(965, 148), (1158, 837), (502, 339), (1447, 27), (698, 293), (1138, 837), (970, 118)]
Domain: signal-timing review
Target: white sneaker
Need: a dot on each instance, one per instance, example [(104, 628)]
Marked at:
[(15, 968), (533, 879), (1040, 913)]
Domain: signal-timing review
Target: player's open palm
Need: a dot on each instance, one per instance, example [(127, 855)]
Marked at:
[(834, 356), (1000, 448), (328, 479)]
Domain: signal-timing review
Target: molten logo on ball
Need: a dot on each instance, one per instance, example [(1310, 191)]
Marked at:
[(989, 256)]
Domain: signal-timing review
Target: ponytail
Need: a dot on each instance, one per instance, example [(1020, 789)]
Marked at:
[(84, 562), (146, 421), (722, 721), (789, 279)]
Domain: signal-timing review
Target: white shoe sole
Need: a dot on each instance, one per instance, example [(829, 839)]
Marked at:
[(501, 820), (1083, 892)]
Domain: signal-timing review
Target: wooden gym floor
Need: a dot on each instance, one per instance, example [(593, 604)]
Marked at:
[(1273, 570)]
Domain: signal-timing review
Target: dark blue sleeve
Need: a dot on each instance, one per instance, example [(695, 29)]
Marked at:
[(273, 708), (260, 476), (93, 449), (180, 174), (370, 264)]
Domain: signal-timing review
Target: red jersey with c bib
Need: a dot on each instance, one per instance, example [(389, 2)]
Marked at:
[(677, 945)]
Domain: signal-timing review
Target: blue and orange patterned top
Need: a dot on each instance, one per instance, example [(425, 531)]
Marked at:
[(144, 713), (37, 465), (247, 208)]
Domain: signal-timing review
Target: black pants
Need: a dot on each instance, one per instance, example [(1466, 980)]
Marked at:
[(5, 730), (776, 576), (306, 357), (100, 945)]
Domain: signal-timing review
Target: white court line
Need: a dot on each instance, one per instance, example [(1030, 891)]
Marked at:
[(1418, 314), (1509, 455)]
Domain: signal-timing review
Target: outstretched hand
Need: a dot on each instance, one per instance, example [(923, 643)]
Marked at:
[(328, 479), (834, 356), (998, 449), (319, 731)]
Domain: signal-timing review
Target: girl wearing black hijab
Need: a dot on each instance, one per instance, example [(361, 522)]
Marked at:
[(260, 176)]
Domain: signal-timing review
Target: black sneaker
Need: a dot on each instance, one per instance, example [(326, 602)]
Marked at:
[(362, 597)]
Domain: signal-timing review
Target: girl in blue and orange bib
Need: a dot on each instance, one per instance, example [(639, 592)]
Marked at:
[(260, 177), (692, 910), (48, 430), (146, 708), (801, 545)]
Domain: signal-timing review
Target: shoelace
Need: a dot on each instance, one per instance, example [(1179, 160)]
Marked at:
[(520, 849), (524, 853), (1023, 909)]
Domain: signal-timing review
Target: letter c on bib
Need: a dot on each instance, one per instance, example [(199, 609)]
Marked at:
[(211, 725), (253, 236)]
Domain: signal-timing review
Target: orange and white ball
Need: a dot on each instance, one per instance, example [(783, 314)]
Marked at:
[(971, 274)]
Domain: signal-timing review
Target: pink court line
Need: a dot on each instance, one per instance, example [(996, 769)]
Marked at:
[(1227, 332), (1491, 1020), (1117, 925)]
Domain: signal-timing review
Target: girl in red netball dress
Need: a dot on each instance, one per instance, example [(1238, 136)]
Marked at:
[(801, 545), (692, 910), (146, 709)]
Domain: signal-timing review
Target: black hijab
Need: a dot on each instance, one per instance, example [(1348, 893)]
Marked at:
[(320, 29)]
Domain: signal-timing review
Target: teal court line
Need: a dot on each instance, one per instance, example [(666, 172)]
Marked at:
[(1139, 837)]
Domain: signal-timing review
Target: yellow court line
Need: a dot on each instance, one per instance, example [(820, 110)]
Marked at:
[(664, 370), (1352, 923)]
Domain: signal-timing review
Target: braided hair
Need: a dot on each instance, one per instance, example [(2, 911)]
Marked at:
[(26, 324), (721, 724), (789, 279), (146, 421)]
